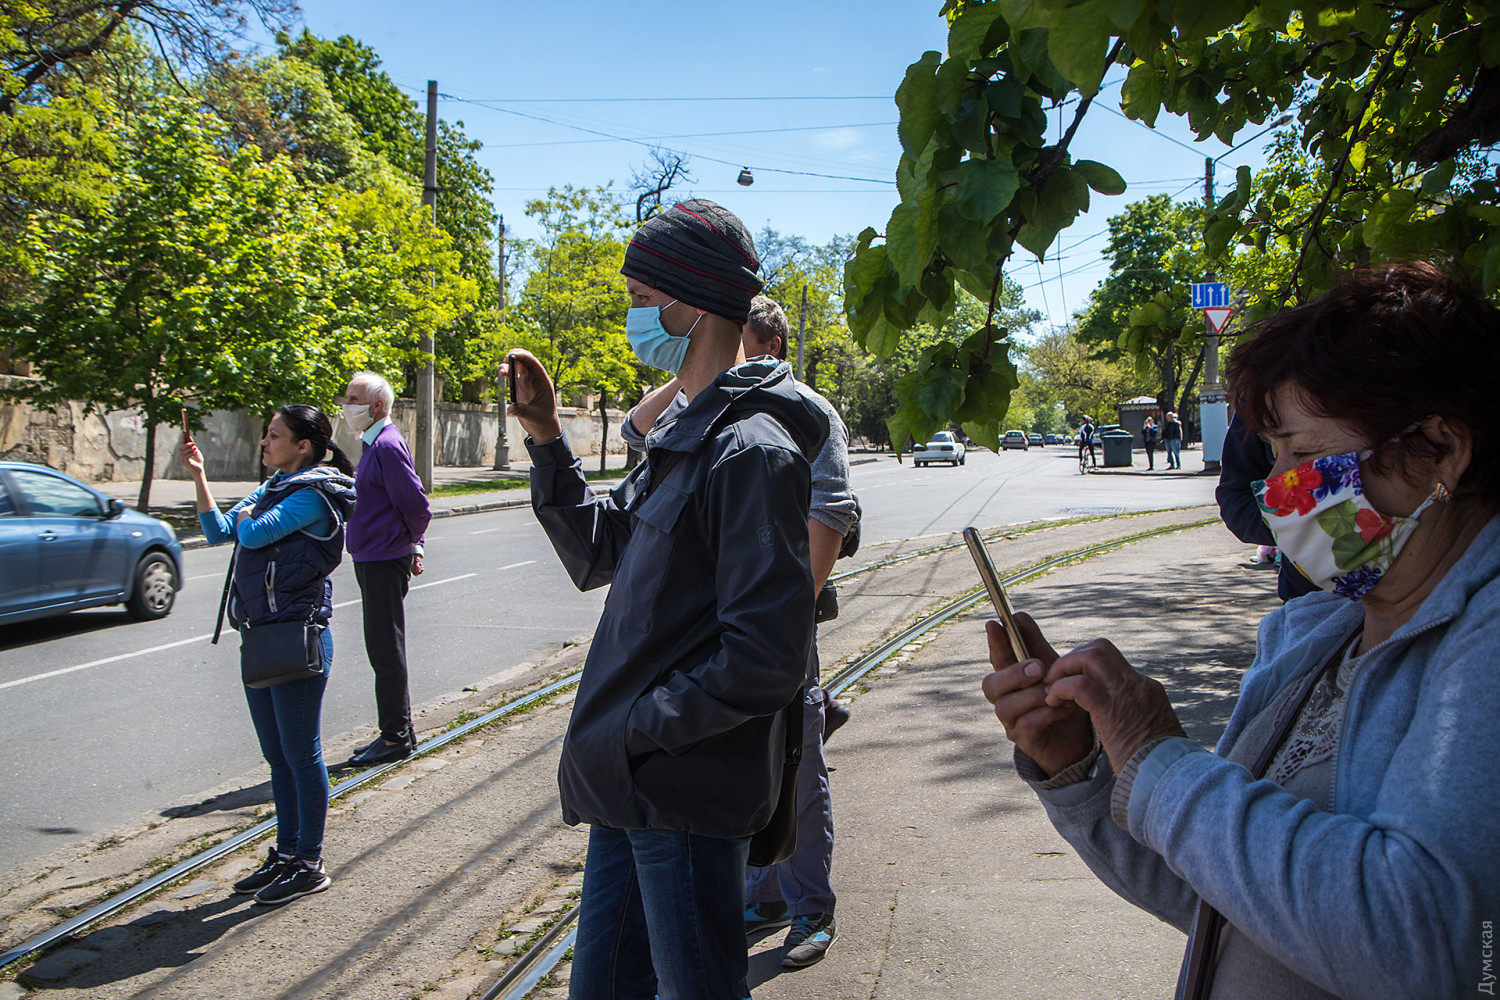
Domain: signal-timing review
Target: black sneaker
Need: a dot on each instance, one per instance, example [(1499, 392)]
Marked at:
[(263, 876), (299, 878), (808, 940), (381, 752)]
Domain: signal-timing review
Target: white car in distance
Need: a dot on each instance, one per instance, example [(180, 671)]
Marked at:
[(943, 447)]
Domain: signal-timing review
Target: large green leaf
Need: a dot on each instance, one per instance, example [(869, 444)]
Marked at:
[(916, 99), (1141, 93), (1101, 177), (985, 188), (1077, 40), (966, 37)]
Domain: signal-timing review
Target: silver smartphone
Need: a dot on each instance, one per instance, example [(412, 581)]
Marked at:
[(997, 592)]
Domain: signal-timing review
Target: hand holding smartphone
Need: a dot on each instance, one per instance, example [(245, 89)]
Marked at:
[(510, 378), (997, 592)]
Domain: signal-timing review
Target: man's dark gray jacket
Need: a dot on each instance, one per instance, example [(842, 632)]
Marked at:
[(679, 721)]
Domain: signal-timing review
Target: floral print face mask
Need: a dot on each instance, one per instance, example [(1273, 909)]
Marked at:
[(1326, 526)]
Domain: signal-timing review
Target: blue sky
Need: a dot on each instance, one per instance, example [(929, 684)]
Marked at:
[(806, 86)]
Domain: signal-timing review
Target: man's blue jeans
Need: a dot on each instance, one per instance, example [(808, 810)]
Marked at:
[(288, 724), (662, 915)]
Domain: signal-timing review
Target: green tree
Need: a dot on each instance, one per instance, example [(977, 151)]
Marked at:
[(189, 284), (1066, 370), (1142, 309), (570, 311), (390, 126), (1389, 99)]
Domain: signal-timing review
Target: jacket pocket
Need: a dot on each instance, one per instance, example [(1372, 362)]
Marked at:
[(644, 568)]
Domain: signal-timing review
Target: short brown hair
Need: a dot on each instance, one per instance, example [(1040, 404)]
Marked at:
[(1383, 350), (767, 320)]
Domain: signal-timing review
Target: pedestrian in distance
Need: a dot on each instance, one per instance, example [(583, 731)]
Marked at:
[(1171, 439), (1341, 840), (1148, 438), (675, 748), (799, 890), (290, 537), (385, 541), (1086, 442)]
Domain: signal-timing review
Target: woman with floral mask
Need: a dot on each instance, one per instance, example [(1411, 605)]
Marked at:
[(1341, 840)]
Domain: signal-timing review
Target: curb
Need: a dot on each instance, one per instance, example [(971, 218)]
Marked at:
[(199, 542)]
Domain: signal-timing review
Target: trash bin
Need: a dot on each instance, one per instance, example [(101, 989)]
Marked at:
[(1118, 444)]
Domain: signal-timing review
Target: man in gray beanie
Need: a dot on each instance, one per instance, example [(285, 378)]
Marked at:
[(675, 748)]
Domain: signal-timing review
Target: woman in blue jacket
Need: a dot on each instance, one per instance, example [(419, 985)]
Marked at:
[(290, 530), (1342, 839)]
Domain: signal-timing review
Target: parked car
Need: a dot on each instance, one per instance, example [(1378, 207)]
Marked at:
[(944, 447), (66, 546), (1014, 439), (1035, 440)]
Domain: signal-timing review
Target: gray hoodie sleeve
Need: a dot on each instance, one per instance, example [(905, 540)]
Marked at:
[(832, 499)]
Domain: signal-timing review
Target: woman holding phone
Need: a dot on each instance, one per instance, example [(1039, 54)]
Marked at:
[(290, 533), (1341, 839)]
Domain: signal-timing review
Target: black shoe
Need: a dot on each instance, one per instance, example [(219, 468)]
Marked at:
[(263, 876), (300, 878), (377, 741), (834, 716), (381, 752)]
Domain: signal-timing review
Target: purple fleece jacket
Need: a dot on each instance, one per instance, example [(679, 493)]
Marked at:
[(390, 511)]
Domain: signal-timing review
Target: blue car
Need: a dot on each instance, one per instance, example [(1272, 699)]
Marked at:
[(65, 546)]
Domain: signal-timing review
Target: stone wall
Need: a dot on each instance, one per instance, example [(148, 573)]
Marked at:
[(111, 447)]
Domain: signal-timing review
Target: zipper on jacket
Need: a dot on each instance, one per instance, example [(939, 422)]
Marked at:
[(271, 585)]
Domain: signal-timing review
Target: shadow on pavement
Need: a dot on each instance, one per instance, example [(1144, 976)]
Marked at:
[(240, 798), (120, 957)]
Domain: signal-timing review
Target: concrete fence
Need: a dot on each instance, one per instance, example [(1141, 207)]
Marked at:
[(111, 447)]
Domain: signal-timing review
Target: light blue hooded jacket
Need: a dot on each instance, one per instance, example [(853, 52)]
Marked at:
[(1395, 892)]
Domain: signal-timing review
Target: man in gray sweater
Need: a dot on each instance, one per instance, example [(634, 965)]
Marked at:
[(797, 891)]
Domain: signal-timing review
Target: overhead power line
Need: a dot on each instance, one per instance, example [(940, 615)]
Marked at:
[(650, 100), (694, 135), (649, 144)]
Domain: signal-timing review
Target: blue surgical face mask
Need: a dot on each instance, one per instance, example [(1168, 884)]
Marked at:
[(651, 342)]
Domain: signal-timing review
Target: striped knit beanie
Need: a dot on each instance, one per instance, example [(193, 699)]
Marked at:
[(699, 253)]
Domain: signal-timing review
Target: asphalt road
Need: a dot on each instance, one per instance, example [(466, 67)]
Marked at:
[(110, 720)]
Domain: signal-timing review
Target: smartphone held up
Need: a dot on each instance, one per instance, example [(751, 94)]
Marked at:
[(996, 591)]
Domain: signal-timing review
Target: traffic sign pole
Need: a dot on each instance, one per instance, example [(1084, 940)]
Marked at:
[(1216, 301)]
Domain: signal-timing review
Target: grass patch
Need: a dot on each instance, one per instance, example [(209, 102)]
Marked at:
[(510, 484)]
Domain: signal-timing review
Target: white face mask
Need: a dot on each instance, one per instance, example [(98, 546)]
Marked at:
[(358, 417), (1326, 525)]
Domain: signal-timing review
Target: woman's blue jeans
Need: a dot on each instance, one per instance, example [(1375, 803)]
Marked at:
[(663, 914), (288, 723)]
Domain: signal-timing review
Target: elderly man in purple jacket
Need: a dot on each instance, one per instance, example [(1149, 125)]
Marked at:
[(384, 537)]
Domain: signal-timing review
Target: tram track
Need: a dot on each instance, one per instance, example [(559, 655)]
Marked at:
[(548, 950)]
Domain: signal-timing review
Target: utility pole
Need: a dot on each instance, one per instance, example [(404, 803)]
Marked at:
[(801, 332), (502, 440), (425, 377)]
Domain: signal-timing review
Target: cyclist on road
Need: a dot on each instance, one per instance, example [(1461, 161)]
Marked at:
[(1086, 441)]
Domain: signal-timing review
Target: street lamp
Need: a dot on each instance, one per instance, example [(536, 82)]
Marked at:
[(746, 178)]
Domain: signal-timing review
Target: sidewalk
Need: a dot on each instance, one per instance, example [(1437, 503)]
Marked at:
[(951, 882)]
